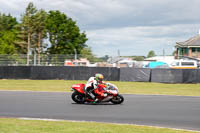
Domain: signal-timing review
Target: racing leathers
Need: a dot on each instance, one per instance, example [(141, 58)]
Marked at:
[(92, 84)]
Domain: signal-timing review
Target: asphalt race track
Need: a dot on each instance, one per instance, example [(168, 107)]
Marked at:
[(164, 111)]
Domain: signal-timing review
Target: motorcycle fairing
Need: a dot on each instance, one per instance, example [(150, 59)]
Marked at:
[(79, 87)]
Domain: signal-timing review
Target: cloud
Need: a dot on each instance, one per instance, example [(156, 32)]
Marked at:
[(95, 14), (116, 13), (139, 40), (134, 27)]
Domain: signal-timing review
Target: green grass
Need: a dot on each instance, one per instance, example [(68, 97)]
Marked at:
[(10, 125), (124, 87)]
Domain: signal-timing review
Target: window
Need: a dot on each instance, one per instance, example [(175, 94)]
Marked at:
[(187, 63), (193, 49), (185, 50), (175, 64)]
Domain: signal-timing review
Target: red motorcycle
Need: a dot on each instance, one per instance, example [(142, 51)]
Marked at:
[(110, 92)]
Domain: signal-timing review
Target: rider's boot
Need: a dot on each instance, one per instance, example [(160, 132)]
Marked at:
[(96, 100), (91, 95)]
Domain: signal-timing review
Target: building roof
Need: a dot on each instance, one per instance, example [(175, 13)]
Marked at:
[(126, 60), (194, 41), (81, 60), (159, 58), (166, 59)]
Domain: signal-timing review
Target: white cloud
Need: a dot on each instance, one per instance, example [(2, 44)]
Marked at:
[(139, 40), (134, 27)]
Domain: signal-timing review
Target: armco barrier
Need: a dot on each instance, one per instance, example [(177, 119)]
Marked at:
[(110, 74)]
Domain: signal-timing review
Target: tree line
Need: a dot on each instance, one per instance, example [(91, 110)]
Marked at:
[(39, 32)]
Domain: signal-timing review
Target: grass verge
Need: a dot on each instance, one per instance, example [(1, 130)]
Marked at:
[(11, 125), (124, 87)]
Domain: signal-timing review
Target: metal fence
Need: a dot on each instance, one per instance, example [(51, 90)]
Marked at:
[(35, 60)]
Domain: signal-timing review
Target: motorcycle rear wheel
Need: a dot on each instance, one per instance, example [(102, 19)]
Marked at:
[(78, 98), (117, 99)]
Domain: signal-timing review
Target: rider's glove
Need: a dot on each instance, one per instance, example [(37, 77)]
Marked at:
[(105, 94)]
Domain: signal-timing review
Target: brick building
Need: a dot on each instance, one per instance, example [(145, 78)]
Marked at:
[(189, 48)]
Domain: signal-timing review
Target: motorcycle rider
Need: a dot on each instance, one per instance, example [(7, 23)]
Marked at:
[(92, 84)]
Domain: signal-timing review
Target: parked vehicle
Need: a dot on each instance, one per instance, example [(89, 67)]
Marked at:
[(184, 64), (157, 64), (80, 96)]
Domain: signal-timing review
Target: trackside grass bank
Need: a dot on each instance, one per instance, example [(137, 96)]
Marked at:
[(10, 125), (124, 87)]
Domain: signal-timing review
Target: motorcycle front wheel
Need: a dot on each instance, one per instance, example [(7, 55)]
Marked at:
[(78, 98), (117, 99)]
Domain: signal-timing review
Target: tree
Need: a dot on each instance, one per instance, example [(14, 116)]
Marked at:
[(22, 41), (151, 54), (7, 22), (139, 58), (87, 53), (40, 31), (28, 23), (6, 42), (174, 53), (64, 35), (7, 34), (104, 58)]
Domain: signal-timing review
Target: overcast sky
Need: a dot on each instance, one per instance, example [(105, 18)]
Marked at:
[(134, 27)]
